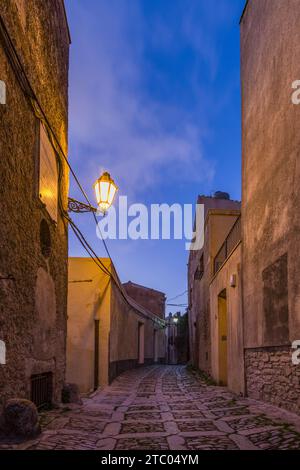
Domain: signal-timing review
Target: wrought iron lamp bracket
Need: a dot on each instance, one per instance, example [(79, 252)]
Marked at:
[(79, 207)]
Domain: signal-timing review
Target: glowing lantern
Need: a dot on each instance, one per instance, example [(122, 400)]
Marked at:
[(105, 189)]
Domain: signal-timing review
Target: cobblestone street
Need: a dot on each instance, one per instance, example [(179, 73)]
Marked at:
[(162, 408)]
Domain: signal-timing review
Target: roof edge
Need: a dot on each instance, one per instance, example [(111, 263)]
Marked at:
[(143, 287), (66, 21), (244, 11)]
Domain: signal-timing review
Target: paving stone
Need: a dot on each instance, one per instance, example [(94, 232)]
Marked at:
[(164, 408), (128, 428), (142, 444), (184, 415), (193, 426), (146, 416), (210, 443), (276, 439)]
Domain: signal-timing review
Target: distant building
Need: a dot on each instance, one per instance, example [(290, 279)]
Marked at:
[(220, 215), (34, 61), (108, 331), (177, 339), (171, 335), (270, 51), (151, 299)]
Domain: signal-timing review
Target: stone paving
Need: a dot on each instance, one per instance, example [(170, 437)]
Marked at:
[(166, 408)]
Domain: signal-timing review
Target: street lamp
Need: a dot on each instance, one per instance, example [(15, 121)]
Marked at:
[(175, 320), (105, 190)]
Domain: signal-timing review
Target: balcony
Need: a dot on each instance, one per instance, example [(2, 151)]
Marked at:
[(232, 240)]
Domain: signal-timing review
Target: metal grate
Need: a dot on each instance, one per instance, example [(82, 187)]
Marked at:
[(232, 240), (42, 389)]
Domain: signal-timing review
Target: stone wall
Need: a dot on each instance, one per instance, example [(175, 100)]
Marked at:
[(270, 52), (33, 285), (272, 377)]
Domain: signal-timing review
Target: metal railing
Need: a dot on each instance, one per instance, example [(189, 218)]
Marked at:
[(232, 240), (42, 389)]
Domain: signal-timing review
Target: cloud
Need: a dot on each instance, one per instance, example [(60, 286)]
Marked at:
[(115, 121)]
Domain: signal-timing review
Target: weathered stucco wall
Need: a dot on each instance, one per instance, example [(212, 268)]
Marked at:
[(92, 296), (124, 336), (235, 349), (88, 301), (270, 51), (33, 301), (220, 216)]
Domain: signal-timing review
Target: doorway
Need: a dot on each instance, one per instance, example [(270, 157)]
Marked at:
[(222, 328), (141, 343), (155, 348)]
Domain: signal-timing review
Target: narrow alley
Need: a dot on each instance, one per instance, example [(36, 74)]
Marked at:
[(165, 408)]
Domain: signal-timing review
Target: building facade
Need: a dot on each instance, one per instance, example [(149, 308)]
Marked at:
[(108, 331), (270, 51), (34, 58), (151, 299), (225, 292), (220, 213)]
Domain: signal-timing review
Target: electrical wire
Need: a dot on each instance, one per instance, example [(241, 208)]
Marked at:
[(177, 305), (177, 296), (25, 85), (39, 112), (59, 152), (98, 262)]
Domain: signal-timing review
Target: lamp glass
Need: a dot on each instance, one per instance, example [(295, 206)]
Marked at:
[(105, 189)]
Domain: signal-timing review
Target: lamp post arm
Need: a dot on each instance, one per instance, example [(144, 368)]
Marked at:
[(79, 207)]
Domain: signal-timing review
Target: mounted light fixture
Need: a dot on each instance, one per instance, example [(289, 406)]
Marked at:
[(105, 189)]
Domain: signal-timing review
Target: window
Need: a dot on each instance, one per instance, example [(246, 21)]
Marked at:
[(42, 389)]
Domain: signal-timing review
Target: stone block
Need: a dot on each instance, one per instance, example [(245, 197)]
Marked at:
[(20, 418), (70, 394)]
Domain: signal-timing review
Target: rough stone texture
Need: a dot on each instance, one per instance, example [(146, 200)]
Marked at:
[(220, 215), (34, 343), (172, 419), (20, 418), (270, 51), (70, 394), (272, 377)]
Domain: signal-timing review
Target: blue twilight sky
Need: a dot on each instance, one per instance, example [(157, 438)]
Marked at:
[(155, 100)]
